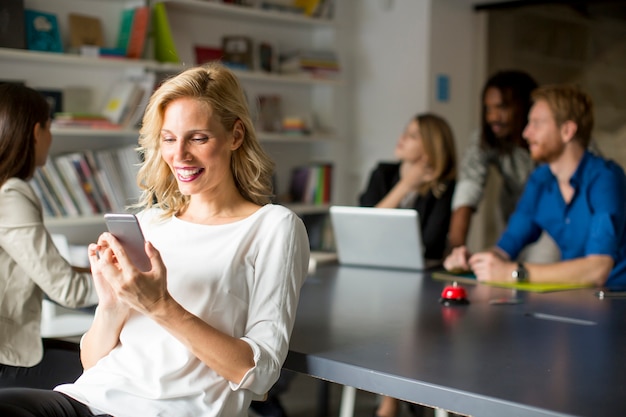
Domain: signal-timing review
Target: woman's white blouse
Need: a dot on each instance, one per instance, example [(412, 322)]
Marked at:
[(243, 278)]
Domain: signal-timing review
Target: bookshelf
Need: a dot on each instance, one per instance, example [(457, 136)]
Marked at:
[(193, 22), (309, 96)]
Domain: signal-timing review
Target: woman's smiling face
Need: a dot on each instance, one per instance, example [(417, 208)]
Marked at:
[(196, 146)]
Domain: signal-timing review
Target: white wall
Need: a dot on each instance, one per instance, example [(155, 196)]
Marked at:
[(389, 59), (458, 42), (397, 48)]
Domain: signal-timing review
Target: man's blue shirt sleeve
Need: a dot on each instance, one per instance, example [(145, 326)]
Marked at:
[(607, 200)]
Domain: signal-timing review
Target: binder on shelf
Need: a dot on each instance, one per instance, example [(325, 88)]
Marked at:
[(85, 30), (42, 31), (164, 46), (12, 29)]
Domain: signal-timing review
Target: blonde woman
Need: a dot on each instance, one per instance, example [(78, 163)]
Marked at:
[(207, 329), (423, 179)]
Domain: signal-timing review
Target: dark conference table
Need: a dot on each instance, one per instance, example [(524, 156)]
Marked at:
[(554, 354)]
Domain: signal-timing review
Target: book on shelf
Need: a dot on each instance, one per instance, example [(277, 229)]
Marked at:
[(325, 9), (126, 24), (12, 29), (59, 188), (51, 204), (113, 200), (85, 30), (42, 31), (270, 113), (311, 184), (147, 83), (237, 52), (116, 178), (83, 120), (138, 33), (295, 125), (86, 176), (88, 182), (122, 101), (268, 59), (204, 54), (74, 184), (133, 31)]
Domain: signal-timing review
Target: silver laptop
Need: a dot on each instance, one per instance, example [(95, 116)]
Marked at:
[(378, 237)]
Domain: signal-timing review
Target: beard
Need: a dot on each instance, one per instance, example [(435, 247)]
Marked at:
[(547, 152)]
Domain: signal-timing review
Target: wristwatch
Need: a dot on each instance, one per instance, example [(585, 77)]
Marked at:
[(520, 274)]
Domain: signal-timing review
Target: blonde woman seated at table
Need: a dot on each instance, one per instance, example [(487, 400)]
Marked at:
[(207, 329), (424, 180)]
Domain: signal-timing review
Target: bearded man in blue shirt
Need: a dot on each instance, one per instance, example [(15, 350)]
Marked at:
[(575, 196)]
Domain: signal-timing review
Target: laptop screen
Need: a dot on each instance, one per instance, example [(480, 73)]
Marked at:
[(378, 237)]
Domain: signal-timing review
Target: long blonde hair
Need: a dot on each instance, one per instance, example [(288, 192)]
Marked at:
[(438, 142), (217, 86)]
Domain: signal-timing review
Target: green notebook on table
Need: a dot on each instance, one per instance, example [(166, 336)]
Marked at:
[(470, 278)]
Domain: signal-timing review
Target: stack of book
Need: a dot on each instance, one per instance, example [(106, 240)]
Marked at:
[(88, 182), (295, 125), (316, 63), (83, 120)]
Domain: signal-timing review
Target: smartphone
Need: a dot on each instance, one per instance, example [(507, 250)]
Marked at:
[(125, 227)]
